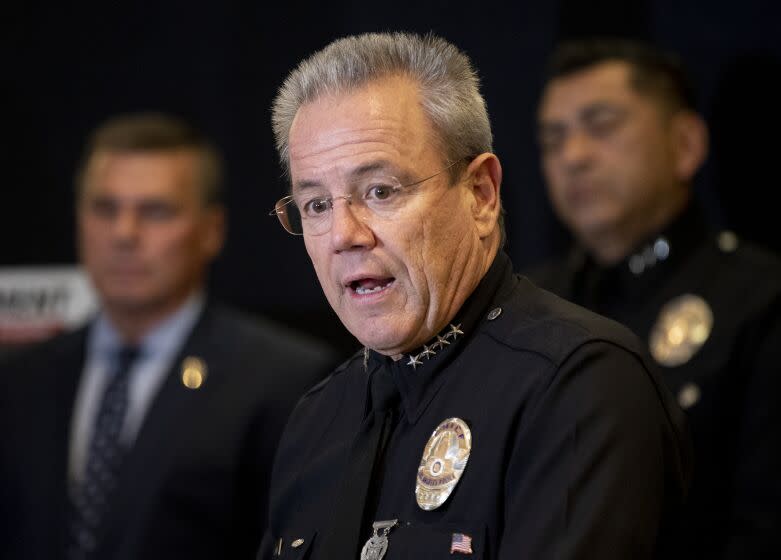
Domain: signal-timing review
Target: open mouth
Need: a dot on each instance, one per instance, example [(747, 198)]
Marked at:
[(367, 286)]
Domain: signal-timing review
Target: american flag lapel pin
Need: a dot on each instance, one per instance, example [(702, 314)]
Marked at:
[(461, 543)]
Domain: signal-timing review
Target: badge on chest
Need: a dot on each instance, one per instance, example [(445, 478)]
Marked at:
[(444, 460), (683, 326)]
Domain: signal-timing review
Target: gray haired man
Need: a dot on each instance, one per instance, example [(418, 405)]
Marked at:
[(484, 417)]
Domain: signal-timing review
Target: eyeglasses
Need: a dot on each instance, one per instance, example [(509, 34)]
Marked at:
[(376, 195)]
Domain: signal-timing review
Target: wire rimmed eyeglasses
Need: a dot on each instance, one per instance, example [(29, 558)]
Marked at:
[(377, 195)]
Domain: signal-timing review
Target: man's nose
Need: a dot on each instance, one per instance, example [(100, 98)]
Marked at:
[(577, 150), (350, 226), (126, 226)]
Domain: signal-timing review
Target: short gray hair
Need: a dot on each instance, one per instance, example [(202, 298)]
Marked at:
[(449, 87)]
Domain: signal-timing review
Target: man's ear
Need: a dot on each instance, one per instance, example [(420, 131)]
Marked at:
[(690, 141), (485, 178)]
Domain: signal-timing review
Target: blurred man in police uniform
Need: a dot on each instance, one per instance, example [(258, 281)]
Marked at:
[(621, 142), (149, 433), (484, 417)]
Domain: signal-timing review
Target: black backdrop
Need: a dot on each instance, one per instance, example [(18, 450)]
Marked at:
[(67, 67)]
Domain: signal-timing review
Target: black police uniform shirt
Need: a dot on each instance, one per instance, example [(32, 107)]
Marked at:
[(578, 451), (730, 386)]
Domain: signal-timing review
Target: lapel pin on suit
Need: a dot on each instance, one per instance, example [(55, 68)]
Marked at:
[(193, 372)]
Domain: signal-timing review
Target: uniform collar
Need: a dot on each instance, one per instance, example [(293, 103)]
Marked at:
[(595, 285), (417, 373)]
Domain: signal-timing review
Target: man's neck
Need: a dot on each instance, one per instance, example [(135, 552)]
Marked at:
[(133, 323), (614, 245)]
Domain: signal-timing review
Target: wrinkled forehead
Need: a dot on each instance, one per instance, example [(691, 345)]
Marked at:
[(379, 127)]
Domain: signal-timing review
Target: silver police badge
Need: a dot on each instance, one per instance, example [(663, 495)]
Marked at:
[(444, 460), (683, 326)]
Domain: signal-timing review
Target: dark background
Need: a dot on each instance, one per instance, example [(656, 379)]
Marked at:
[(68, 67)]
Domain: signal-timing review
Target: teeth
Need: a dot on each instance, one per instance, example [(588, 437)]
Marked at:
[(364, 291)]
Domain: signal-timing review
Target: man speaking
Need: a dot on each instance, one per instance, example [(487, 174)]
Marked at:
[(484, 417)]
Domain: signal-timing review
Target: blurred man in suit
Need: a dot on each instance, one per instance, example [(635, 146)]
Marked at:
[(149, 433), (621, 142)]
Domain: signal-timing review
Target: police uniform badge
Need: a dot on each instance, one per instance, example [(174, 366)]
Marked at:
[(683, 326), (444, 460)]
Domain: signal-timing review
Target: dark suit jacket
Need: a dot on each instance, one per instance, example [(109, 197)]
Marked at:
[(194, 485)]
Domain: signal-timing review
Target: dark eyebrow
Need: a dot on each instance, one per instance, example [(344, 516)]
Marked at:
[(601, 106), (550, 126)]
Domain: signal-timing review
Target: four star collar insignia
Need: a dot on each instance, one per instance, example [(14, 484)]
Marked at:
[(429, 351)]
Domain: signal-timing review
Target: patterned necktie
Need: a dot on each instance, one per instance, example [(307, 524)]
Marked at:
[(343, 538), (89, 500)]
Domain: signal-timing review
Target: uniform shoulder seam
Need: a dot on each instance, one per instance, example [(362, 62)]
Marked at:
[(338, 371)]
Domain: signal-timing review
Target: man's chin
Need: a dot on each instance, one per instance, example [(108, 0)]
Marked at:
[(130, 303), (393, 346), (380, 340), (592, 226), (386, 330)]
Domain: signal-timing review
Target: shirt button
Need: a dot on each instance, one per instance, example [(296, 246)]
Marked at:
[(494, 313), (661, 248), (637, 264), (727, 241), (688, 396)]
